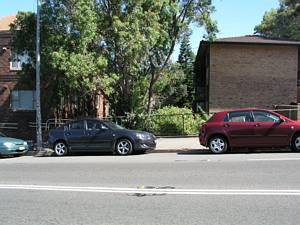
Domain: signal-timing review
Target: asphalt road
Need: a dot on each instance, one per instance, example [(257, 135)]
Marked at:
[(162, 188)]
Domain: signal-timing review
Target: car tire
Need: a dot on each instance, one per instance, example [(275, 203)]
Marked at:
[(60, 148), (124, 147), (218, 145), (296, 143)]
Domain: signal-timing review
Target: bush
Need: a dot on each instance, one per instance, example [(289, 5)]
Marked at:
[(172, 120)]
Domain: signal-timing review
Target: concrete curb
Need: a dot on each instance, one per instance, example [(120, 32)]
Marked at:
[(50, 152)]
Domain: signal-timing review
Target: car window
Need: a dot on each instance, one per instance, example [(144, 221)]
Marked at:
[(95, 125), (77, 125), (2, 135), (240, 116), (260, 116)]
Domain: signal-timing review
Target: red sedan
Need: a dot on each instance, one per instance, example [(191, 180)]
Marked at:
[(250, 128)]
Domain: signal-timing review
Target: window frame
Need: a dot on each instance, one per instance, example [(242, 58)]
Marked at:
[(226, 118), (266, 112), (18, 61), (19, 92), (96, 121), (78, 121)]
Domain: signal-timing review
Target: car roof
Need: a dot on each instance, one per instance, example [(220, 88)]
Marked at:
[(244, 109)]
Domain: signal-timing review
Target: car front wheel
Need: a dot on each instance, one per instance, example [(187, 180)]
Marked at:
[(124, 147), (60, 149), (218, 145), (296, 143)]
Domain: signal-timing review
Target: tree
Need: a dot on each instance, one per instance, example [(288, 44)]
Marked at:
[(283, 22), (186, 60), (139, 39), (71, 67), (121, 46)]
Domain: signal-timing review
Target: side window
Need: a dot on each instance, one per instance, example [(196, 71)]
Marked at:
[(95, 125), (260, 116), (241, 116), (77, 125)]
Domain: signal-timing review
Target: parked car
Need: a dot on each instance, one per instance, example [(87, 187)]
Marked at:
[(251, 128), (12, 146), (99, 135)]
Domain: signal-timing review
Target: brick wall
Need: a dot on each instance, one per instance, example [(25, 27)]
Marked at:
[(252, 76)]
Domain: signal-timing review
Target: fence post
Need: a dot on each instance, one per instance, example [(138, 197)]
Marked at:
[(182, 124)]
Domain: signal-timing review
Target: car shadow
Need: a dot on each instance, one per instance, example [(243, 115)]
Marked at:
[(50, 153), (235, 151)]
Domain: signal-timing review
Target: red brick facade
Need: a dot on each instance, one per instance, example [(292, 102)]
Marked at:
[(237, 75)]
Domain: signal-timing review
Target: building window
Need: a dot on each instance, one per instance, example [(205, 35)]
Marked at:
[(17, 60), (22, 100)]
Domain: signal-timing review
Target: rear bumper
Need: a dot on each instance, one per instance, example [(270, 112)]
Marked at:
[(202, 140)]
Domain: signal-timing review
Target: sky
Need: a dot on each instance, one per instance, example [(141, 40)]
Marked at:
[(234, 17)]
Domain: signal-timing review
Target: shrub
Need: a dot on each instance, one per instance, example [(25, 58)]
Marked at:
[(172, 120)]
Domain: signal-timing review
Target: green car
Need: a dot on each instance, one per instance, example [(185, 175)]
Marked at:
[(12, 146)]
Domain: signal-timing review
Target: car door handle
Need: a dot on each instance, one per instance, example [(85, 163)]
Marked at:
[(68, 134), (226, 125), (257, 125)]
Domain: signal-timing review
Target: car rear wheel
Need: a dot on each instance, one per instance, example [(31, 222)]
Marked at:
[(60, 149), (124, 147), (218, 145), (296, 143)]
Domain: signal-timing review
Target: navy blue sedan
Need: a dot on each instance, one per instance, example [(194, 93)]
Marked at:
[(98, 135)]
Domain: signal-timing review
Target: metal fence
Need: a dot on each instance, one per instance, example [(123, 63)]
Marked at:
[(159, 124)]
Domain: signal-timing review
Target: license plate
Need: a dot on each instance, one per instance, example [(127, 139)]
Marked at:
[(21, 148)]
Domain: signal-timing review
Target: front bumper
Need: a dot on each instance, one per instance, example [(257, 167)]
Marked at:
[(145, 144), (15, 150)]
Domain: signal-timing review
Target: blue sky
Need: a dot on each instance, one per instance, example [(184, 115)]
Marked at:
[(234, 17)]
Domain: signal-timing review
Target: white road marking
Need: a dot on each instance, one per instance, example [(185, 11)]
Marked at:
[(265, 192), (275, 159)]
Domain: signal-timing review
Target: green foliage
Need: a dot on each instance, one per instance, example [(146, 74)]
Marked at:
[(283, 22), (172, 120), (186, 60), (122, 47), (139, 39)]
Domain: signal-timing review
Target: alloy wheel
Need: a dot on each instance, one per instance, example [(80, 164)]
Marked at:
[(124, 147), (60, 149)]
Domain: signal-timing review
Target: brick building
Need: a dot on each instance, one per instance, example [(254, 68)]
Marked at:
[(248, 71), (18, 106)]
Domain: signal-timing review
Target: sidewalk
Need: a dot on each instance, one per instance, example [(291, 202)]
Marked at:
[(176, 144)]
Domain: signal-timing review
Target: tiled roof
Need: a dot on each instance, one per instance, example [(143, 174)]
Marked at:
[(6, 21), (255, 39)]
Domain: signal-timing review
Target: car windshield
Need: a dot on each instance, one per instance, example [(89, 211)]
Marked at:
[(113, 125), (2, 135)]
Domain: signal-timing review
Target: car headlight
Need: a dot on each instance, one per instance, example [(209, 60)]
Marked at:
[(8, 144), (142, 136), (25, 143)]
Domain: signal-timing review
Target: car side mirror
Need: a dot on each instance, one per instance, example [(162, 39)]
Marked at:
[(281, 120)]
